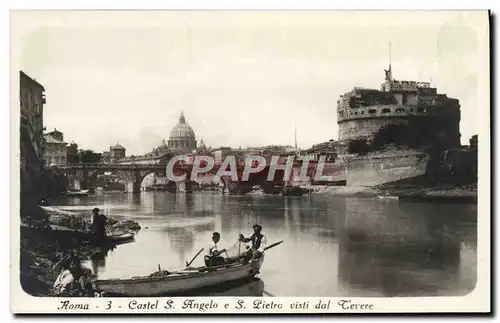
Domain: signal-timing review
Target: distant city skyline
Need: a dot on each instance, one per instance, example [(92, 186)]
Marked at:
[(241, 78)]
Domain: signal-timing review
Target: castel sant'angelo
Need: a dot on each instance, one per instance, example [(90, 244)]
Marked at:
[(410, 116), (404, 110)]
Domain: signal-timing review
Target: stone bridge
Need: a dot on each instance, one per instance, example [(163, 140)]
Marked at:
[(80, 176)]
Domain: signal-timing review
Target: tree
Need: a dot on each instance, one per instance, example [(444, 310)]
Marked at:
[(397, 135), (358, 146), (89, 157), (72, 153)]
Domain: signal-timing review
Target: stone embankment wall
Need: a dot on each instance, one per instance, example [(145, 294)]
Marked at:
[(383, 167)]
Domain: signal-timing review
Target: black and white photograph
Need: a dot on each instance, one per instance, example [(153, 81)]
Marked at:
[(281, 161)]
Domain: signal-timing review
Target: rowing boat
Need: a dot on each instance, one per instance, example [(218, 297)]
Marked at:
[(388, 197), (77, 193), (180, 282), (121, 237)]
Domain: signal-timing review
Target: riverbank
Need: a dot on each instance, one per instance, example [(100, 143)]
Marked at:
[(451, 193), (46, 240)]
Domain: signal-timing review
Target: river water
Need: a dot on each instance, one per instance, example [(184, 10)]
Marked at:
[(333, 246)]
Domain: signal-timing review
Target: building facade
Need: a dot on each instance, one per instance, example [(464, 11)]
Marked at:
[(31, 99), (116, 152), (55, 152)]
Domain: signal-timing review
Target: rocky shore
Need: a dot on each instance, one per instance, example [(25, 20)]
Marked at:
[(53, 234)]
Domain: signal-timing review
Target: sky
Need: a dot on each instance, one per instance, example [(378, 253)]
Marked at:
[(241, 78)]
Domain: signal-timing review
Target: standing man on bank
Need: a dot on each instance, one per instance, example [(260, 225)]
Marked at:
[(98, 223)]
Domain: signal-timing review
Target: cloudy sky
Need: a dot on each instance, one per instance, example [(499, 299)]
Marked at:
[(241, 78)]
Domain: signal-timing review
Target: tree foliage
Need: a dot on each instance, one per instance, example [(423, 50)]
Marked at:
[(72, 153), (89, 157), (358, 146)]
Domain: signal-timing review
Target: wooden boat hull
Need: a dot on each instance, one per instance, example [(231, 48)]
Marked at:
[(121, 238), (78, 193), (180, 282), (393, 198)]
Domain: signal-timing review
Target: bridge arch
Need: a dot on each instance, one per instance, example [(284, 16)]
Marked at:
[(147, 173), (75, 179), (95, 173)]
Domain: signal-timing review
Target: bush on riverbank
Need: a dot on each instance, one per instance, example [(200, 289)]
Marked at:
[(75, 221)]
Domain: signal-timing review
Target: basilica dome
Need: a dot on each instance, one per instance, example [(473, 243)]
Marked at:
[(182, 130), (182, 136)]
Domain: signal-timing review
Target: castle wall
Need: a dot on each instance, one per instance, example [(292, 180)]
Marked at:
[(385, 167), (364, 128)]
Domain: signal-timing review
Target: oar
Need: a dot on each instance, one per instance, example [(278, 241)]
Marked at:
[(188, 264), (273, 245), (267, 293)]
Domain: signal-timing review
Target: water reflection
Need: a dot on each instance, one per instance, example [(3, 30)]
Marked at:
[(181, 240), (98, 261), (399, 249), (333, 246)]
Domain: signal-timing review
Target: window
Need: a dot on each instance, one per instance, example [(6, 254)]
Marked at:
[(372, 111), (386, 110), (400, 110)]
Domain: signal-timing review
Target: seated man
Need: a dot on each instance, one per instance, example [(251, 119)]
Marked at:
[(213, 257), (73, 280)]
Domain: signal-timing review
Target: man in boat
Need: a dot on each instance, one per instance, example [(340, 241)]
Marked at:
[(98, 223), (213, 257), (258, 242)]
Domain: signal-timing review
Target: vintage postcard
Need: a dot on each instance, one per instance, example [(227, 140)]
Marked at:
[(250, 162)]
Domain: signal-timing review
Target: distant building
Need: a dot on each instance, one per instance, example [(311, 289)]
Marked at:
[(31, 99), (327, 149), (182, 140), (160, 155), (56, 134), (221, 153), (116, 152), (202, 149), (55, 148)]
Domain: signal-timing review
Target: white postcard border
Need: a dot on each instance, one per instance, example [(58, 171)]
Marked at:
[(477, 301)]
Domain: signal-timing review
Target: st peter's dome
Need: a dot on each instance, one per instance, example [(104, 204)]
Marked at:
[(182, 136)]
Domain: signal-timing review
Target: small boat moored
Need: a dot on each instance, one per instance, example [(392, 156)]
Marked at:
[(388, 197), (162, 283), (78, 193), (119, 238)]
